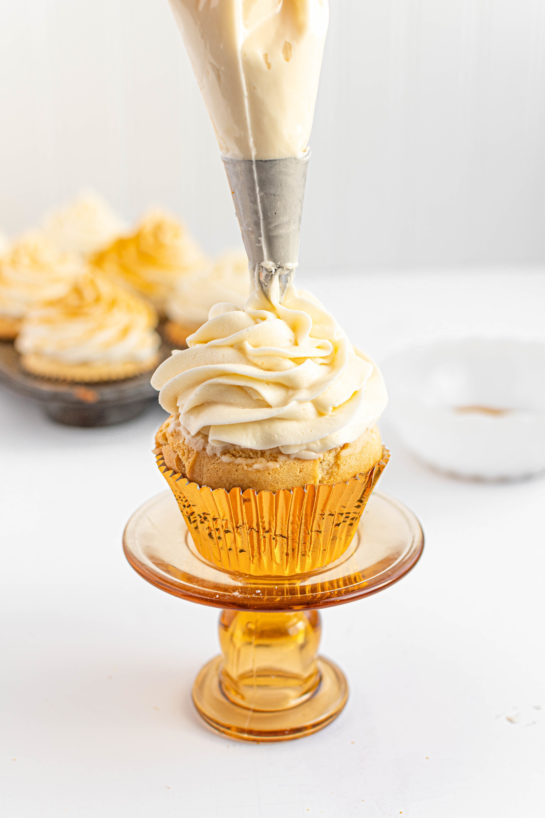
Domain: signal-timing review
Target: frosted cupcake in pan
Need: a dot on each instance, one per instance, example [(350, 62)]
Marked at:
[(271, 448), (31, 271), (152, 259), (96, 331), (224, 280), (83, 226)]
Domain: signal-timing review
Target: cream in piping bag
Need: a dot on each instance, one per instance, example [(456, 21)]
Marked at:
[(258, 65)]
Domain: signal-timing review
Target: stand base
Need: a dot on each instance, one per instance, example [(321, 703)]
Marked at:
[(270, 684), (317, 711)]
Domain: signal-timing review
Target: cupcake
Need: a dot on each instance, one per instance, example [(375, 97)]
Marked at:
[(84, 226), (32, 270), (97, 331), (153, 259), (271, 448), (225, 280), (4, 244)]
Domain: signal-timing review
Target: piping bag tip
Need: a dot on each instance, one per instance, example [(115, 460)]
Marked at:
[(268, 196)]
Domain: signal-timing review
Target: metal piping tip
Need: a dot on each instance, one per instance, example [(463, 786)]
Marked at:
[(268, 196)]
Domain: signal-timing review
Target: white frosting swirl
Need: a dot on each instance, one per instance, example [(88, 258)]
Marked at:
[(153, 258), (278, 376), (84, 226), (226, 279), (32, 271), (96, 321)]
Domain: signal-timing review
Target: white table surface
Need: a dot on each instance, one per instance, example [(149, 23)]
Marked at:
[(447, 673)]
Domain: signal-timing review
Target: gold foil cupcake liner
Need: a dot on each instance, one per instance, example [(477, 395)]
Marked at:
[(273, 533)]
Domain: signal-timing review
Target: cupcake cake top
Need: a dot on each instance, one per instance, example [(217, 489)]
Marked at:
[(84, 226), (225, 279), (277, 375), (33, 270), (95, 321), (154, 257)]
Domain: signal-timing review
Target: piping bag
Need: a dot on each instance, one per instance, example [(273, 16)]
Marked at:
[(258, 64)]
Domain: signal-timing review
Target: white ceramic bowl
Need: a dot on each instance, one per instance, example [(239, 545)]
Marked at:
[(474, 407)]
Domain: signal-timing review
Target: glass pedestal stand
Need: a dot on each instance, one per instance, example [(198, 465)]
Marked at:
[(269, 684)]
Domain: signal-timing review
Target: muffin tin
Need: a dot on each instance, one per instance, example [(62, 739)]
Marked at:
[(78, 404)]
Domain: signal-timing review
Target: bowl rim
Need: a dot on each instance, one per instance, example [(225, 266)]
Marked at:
[(404, 351)]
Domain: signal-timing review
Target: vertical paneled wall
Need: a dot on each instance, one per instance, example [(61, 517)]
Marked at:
[(428, 147)]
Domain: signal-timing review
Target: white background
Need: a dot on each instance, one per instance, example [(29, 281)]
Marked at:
[(428, 146), (446, 669)]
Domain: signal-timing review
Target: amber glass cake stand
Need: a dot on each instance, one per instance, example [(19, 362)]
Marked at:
[(269, 684)]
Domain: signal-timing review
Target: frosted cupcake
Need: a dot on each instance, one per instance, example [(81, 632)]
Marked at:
[(84, 226), (271, 448), (96, 331), (225, 280), (32, 270), (153, 259)]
